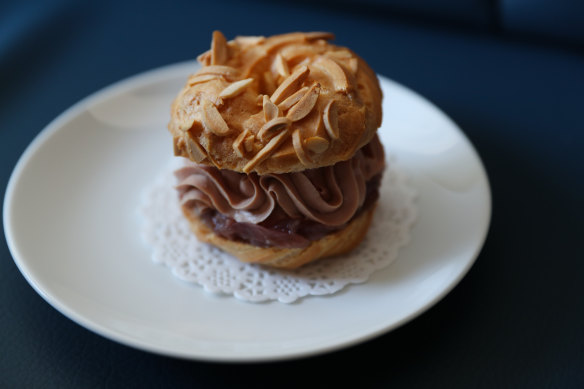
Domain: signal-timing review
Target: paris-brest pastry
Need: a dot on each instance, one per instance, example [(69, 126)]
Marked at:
[(281, 133)]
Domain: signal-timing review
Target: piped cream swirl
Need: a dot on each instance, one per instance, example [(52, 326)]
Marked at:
[(329, 195)]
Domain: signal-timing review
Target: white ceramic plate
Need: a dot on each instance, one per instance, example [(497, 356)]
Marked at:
[(72, 227)]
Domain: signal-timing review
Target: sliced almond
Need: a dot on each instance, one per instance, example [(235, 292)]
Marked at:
[(252, 59), (271, 110), (290, 84), (284, 39), (272, 127), (305, 104), (213, 121), (221, 70), (248, 142), (176, 146), (231, 46), (219, 49), (266, 151), (317, 144), (236, 88), (269, 83), (347, 61), (305, 62), (300, 153), (330, 117), (335, 72), (295, 52), (198, 79), (217, 101), (195, 150), (238, 144), (284, 152), (281, 66), (319, 35), (353, 65), (185, 120), (340, 54), (249, 40), (293, 99), (205, 58), (314, 122), (244, 142)]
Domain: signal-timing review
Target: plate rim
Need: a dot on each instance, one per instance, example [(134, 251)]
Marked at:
[(149, 77)]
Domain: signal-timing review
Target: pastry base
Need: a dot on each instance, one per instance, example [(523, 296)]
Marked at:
[(336, 243)]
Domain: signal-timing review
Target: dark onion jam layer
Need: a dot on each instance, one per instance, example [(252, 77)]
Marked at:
[(278, 230)]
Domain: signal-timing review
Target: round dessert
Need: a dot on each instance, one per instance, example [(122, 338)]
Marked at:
[(285, 163)]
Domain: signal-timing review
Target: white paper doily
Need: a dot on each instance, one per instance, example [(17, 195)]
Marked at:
[(174, 245)]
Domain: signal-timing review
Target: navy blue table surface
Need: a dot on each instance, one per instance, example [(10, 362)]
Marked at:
[(516, 320)]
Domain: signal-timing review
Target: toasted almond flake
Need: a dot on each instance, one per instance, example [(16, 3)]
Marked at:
[(316, 123), (221, 70), (205, 58), (272, 127), (269, 83), (353, 65), (251, 59), (213, 159), (198, 79), (236, 88), (294, 52), (284, 152), (317, 144), (304, 62), (290, 85), (335, 72), (186, 121), (340, 54), (281, 66), (248, 142), (213, 121), (249, 40), (305, 104), (319, 35), (195, 150), (266, 151), (331, 119), (238, 144), (297, 143), (284, 39), (271, 110), (176, 146), (293, 99), (349, 64), (219, 49), (217, 101)]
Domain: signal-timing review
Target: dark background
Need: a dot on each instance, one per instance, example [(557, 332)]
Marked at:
[(509, 72)]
